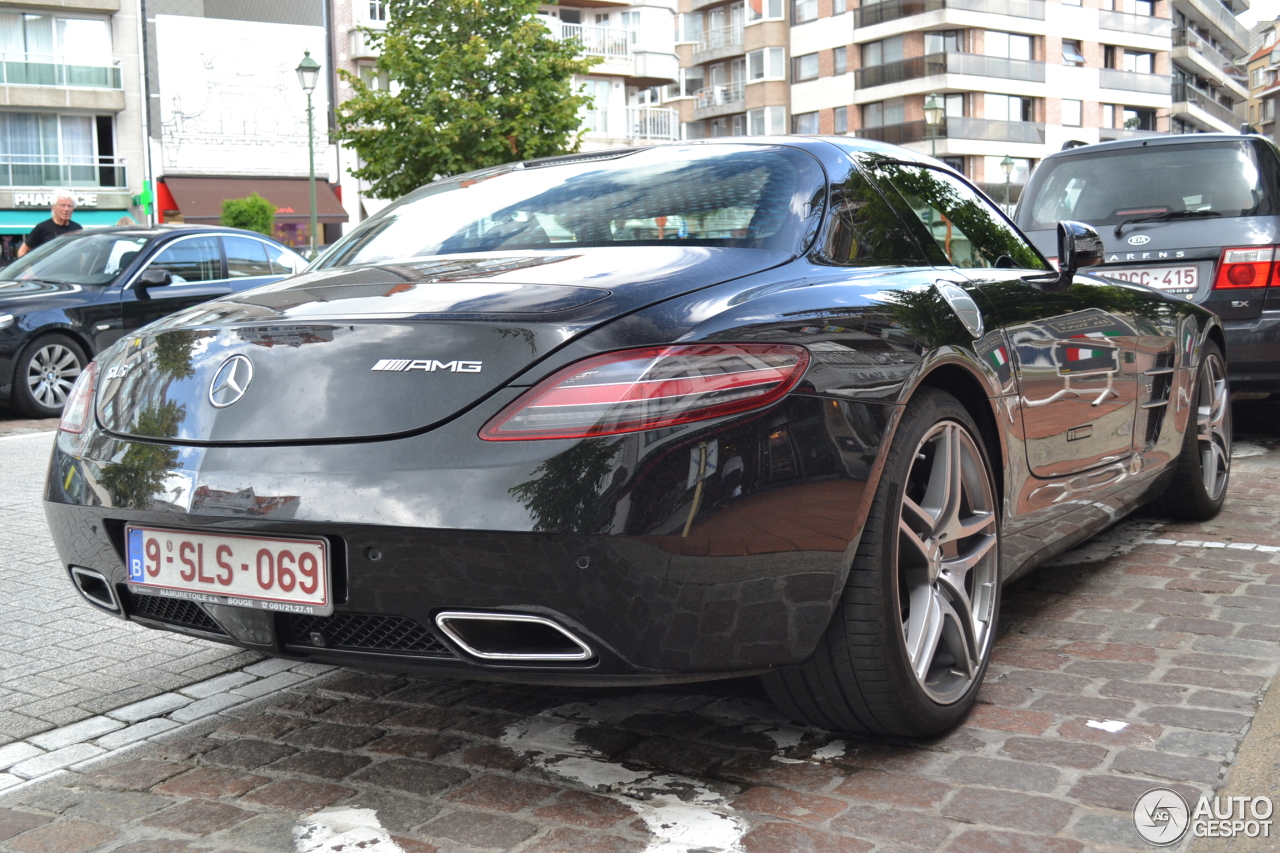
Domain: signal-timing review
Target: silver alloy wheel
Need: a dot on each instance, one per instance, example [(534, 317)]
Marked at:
[(1213, 426), (948, 562), (52, 371)]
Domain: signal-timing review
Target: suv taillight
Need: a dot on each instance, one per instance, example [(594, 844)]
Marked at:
[(1250, 267), (650, 388), (79, 406)]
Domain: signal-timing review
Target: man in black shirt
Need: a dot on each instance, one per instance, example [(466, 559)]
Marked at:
[(60, 223)]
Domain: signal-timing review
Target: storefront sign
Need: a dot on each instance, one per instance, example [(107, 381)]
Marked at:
[(46, 199)]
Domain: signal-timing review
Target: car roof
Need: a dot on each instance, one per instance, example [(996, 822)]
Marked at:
[(1150, 142), (164, 230)]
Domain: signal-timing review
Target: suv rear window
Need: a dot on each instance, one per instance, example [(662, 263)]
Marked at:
[(1210, 179)]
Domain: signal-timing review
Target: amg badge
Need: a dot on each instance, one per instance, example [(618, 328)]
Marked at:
[(430, 365)]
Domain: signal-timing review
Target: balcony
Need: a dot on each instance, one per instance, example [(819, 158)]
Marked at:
[(719, 37), (891, 10), (1110, 134), (34, 170), (20, 70), (1207, 60), (723, 95), (362, 46), (1190, 95), (959, 127), (1211, 13), (606, 42), (653, 124), (1144, 25), (1134, 81), (973, 64)]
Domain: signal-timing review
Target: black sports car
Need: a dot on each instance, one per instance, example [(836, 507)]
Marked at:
[(794, 407), (72, 297)]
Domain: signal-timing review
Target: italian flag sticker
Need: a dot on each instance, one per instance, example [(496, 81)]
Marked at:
[(999, 357)]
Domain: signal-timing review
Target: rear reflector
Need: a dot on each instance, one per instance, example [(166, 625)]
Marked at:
[(78, 408), (1247, 267), (651, 388)]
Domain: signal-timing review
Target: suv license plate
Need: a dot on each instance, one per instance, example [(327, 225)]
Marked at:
[(1175, 279), (265, 573)]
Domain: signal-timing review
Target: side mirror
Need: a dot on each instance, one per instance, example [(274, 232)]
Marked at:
[(154, 278), (1078, 246)]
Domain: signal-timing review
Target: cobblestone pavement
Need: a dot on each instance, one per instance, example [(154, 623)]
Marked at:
[(1136, 661), (61, 661)]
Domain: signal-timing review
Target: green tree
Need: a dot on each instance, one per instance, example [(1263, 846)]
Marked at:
[(254, 213), (480, 83)]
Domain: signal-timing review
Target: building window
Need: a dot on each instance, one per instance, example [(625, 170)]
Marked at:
[(767, 121), (1072, 113), (883, 113), (1144, 7), (882, 52), (839, 7), (33, 38), (804, 67), (767, 64), (374, 78), (1007, 45), (690, 28), (1006, 107), (1139, 63), (995, 174), (804, 10), (377, 10), (1267, 110), (956, 163), (764, 10), (946, 41), (805, 123), (1072, 54), (954, 104), (48, 150), (842, 119), (1258, 78), (1136, 119), (840, 60)]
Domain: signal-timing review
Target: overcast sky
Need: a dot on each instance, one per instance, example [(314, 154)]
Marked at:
[(1262, 10)]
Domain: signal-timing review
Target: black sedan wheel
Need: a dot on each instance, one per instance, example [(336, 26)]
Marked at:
[(910, 643), (47, 369), (1199, 484)]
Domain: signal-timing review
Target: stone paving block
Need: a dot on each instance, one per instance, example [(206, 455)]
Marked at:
[(501, 794), (298, 796), (1177, 768), (332, 736), (13, 822), (909, 829), (410, 776), (66, 836), (206, 707), (1044, 815), (221, 684), (1010, 775), (156, 706), (269, 667), (789, 805), (986, 841), (584, 809), (133, 734), (199, 817), (246, 754), (12, 753), (480, 829), (115, 808), (271, 684), (562, 839), (131, 774), (51, 761), (80, 732), (1054, 751), (321, 763), (211, 783)]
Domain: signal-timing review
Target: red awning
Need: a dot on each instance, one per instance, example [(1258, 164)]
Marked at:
[(200, 199)]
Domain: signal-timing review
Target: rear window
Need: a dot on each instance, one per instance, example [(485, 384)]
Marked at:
[(736, 196), (1209, 180)]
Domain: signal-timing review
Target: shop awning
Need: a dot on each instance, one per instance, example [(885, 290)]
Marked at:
[(200, 199), (22, 221)]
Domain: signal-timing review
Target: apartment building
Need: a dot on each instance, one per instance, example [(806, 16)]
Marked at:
[(70, 112), (1264, 81)]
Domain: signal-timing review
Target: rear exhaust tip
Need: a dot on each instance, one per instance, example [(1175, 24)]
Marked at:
[(95, 588), (514, 637)]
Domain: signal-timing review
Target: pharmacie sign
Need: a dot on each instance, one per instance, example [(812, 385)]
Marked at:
[(46, 199)]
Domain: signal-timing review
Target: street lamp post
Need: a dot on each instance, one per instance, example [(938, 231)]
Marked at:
[(308, 75), (933, 120), (1007, 166)]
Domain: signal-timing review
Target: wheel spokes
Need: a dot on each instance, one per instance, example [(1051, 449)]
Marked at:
[(1213, 430)]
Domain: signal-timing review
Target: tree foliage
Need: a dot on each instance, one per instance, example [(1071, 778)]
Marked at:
[(476, 83), (254, 213)]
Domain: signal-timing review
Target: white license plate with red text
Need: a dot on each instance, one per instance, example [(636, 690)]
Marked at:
[(1184, 279), (266, 573)]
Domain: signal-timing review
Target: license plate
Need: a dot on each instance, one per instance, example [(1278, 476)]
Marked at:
[(1177, 279), (265, 573)]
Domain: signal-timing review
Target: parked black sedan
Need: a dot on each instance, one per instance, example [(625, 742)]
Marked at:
[(794, 407), (63, 303)]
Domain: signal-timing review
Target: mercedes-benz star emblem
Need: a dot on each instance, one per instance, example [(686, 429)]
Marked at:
[(231, 381)]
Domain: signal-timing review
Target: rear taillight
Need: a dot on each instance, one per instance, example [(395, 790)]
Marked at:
[(79, 405), (651, 388), (1249, 267)]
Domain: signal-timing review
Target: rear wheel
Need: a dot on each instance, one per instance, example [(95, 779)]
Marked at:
[(46, 370), (1199, 484), (909, 644)]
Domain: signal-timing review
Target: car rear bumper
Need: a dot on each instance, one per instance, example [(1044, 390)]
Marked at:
[(1253, 353)]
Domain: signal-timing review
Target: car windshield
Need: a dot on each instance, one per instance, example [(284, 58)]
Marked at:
[(1209, 179), (759, 197), (88, 259)]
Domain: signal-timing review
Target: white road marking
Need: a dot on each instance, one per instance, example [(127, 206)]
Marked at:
[(1112, 726), (46, 434), (343, 828)]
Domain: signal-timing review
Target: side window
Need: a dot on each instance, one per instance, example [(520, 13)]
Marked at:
[(965, 229), (191, 260), (246, 257), (864, 230), (283, 261)]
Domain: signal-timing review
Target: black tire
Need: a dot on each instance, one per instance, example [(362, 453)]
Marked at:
[(44, 373), (861, 678), (1206, 446)]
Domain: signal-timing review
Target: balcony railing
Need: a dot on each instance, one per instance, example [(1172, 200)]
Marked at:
[(719, 96), (1141, 24), (656, 124), (609, 42), (892, 10), (718, 37), (958, 127), (1108, 134), (1218, 15), (1183, 92), (1134, 81), (1184, 37), (34, 170), (39, 70), (974, 64)]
